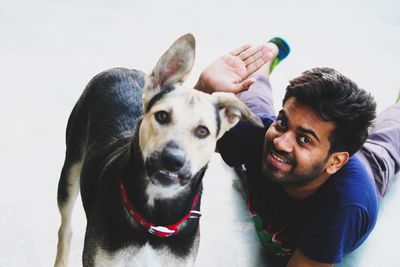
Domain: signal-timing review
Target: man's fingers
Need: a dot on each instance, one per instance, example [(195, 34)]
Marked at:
[(254, 57), (260, 54), (237, 52), (254, 53), (255, 65)]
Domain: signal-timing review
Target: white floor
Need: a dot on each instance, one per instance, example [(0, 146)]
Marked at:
[(50, 49)]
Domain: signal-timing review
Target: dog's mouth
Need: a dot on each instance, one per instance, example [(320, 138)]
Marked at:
[(167, 178), (163, 177)]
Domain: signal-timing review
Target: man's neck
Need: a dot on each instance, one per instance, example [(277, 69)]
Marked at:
[(306, 190)]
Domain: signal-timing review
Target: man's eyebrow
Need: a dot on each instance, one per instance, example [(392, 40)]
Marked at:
[(308, 131), (282, 114)]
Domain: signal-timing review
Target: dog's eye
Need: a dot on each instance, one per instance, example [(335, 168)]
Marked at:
[(202, 132), (162, 117)]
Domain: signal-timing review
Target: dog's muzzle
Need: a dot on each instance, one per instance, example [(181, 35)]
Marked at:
[(168, 166), (172, 158)]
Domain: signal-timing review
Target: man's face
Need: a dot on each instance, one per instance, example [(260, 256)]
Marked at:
[(296, 145)]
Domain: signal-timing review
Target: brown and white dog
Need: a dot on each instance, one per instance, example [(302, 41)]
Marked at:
[(137, 149)]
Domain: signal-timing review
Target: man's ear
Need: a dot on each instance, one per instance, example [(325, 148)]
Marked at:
[(231, 110), (172, 68), (336, 161)]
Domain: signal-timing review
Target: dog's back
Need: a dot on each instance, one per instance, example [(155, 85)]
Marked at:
[(104, 117), (108, 109)]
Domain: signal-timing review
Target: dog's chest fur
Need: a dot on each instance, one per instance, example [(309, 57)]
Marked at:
[(141, 256)]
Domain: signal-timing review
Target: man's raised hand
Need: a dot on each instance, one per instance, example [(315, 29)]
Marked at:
[(230, 73)]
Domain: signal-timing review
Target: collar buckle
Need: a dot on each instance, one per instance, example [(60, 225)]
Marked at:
[(161, 231)]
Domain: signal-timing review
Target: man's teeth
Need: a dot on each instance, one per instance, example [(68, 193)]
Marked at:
[(170, 174), (279, 159)]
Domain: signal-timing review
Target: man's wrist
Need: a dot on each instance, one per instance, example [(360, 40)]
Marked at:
[(201, 85)]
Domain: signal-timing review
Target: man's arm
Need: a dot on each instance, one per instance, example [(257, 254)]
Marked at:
[(300, 260), (230, 73)]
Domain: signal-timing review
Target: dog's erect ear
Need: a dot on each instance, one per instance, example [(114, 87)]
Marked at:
[(172, 68), (231, 110)]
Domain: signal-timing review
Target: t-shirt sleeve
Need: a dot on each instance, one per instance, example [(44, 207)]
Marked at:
[(329, 238), (239, 144)]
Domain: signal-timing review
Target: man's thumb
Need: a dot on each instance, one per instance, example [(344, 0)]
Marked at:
[(246, 84)]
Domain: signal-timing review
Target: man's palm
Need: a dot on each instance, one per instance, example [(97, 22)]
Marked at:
[(229, 73)]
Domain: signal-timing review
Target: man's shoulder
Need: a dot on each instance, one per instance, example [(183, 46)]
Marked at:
[(346, 203), (246, 126), (244, 141), (352, 185), (267, 119)]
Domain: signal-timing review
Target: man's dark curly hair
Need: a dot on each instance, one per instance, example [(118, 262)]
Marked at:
[(335, 98)]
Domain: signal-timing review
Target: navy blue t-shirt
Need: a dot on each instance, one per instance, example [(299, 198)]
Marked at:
[(326, 226)]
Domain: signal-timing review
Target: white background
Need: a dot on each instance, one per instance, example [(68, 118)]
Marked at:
[(50, 49)]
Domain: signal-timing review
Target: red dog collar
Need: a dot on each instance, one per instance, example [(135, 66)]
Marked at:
[(160, 231)]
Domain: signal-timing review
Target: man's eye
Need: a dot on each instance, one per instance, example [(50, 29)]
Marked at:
[(201, 132), (281, 124), (305, 140), (162, 117)]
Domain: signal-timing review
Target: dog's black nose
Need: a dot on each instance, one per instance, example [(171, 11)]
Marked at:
[(173, 158)]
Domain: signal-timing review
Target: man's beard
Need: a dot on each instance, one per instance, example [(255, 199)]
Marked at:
[(292, 177)]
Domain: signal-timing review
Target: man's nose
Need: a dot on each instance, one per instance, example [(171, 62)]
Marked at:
[(284, 142)]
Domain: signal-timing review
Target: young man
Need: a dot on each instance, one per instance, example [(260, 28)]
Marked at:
[(314, 175)]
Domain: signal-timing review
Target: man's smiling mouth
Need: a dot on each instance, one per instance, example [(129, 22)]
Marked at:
[(279, 158)]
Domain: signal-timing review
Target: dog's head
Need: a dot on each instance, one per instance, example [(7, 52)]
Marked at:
[(181, 125)]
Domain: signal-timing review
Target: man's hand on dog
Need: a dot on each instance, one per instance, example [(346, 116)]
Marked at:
[(230, 73)]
